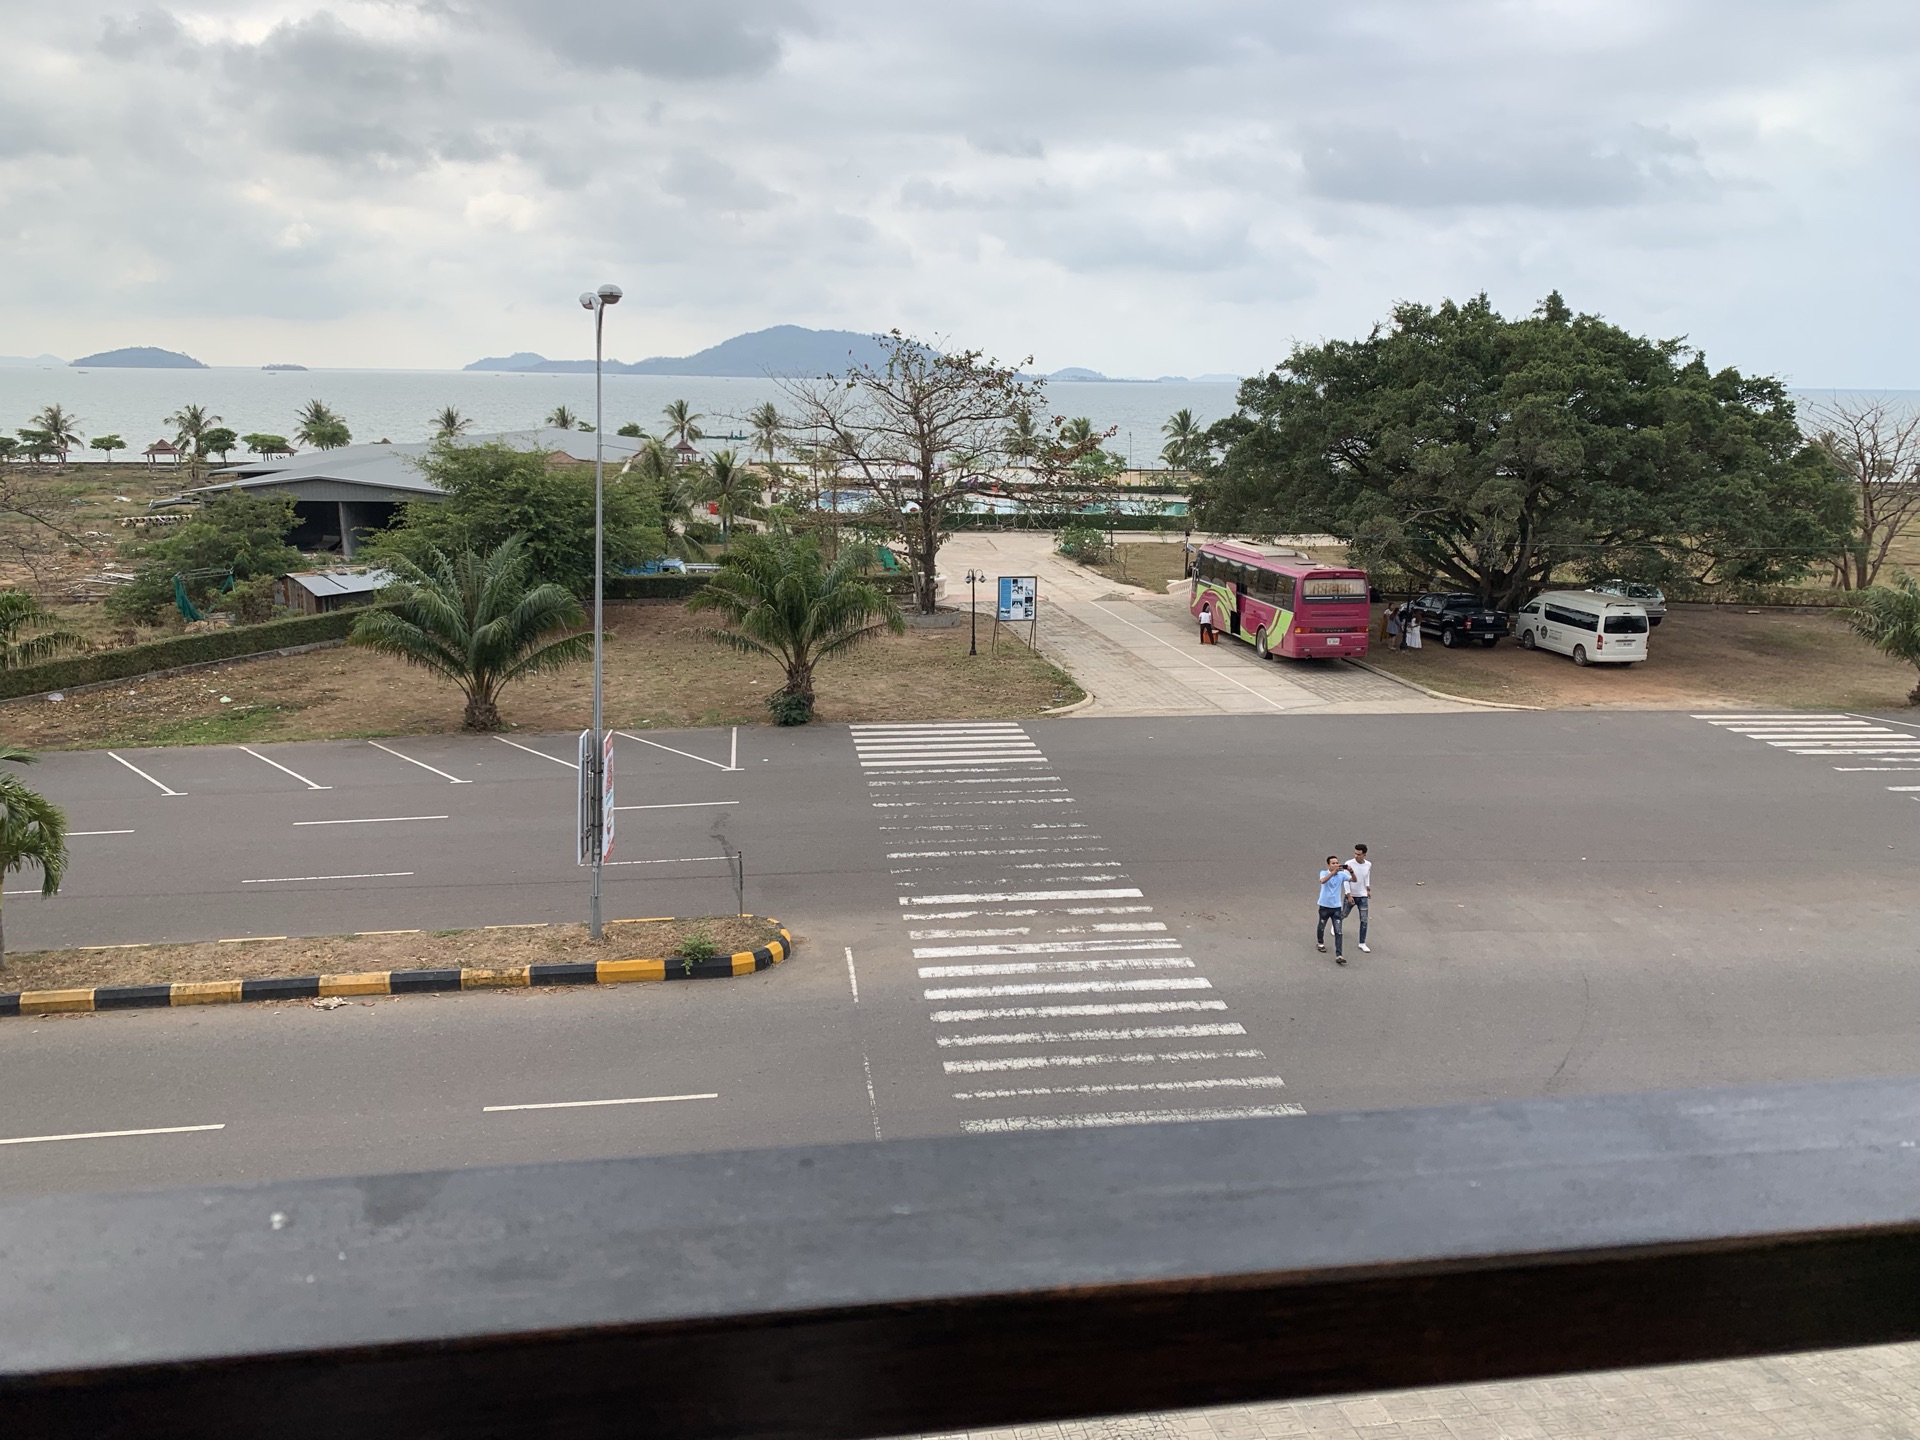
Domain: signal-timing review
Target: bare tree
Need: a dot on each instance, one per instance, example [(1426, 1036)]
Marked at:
[(1877, 447), (922, 432)]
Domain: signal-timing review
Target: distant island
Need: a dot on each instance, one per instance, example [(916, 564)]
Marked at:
[(781, 350), (283, 367), (139, 357), (10, 362)]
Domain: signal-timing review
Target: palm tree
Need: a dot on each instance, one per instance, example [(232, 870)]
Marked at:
[(472, 619), (450, 423), (785, 602), (29, 634), (33, 831), (1023, 441), (652, 465), (682, 426), (59, 427), (191, 426), (1186, 441), (562, 418), (1887, 617), (108, 444), (768, 429), (321, 428), (731, 488)]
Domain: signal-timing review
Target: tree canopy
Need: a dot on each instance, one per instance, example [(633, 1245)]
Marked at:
[(494, 492), (238, 532), (1481, 453)]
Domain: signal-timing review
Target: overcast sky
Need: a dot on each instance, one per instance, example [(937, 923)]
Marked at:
[(1141, 188)]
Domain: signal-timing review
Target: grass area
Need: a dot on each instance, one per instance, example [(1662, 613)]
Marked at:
[(497, 948), (1149, 564), (1699, 657), (660, 671)]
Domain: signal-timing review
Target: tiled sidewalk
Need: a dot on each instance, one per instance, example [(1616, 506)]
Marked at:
[(1870, 1394)]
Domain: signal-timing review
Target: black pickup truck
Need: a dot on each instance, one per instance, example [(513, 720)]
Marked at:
[(1456, 619)]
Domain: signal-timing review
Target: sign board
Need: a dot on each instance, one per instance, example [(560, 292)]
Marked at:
[(1017, 598), (589, 775)]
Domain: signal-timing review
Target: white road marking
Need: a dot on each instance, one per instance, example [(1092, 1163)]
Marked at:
[(1025, 778), (593, 1104), (450, 779), (685, 755), (1129, 892), (1004, 772), (1067, 987), (1041, 947), (679, 805), (1061, 1037), (296, 879), (958, 934), (1728, 717), (1107, 910), (1056, 967), (373, 820), (1112, 928), (75, 834), (953, 804), (311, 785), (571, 765), (1904, 789), (164, 790), (678, 860), (108, 1134), (1048, 1062), (1886, 720), (1251, 1082), (1067, 1012), (966, 914), (1015, 850), (853, 978), (1126, 1117)]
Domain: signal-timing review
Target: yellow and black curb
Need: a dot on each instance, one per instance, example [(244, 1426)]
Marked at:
[(395, 982)]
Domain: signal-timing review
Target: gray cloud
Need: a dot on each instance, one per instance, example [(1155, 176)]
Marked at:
[(669, 39)]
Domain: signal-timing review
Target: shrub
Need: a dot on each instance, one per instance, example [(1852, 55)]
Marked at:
[(1082, 543), (131, 661)]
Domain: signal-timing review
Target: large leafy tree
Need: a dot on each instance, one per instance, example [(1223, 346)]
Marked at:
[(923, 433), (237, 532), (33, 831), (783, 600), (473, 618), (493, 492), (1483, 453), (107, 444)]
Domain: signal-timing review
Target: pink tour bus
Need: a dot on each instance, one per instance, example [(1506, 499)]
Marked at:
[(1279, 601)]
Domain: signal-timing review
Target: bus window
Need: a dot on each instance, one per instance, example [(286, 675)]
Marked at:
[(1266, 583), (1333, 587)]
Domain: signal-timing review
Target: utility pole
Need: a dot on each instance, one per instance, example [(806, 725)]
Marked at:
[(597, 301)]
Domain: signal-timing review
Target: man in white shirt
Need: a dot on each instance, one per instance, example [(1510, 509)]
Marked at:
[(1359, 890)]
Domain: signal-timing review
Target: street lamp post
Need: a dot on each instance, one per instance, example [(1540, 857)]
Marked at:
[(597, 301), (974, 577)]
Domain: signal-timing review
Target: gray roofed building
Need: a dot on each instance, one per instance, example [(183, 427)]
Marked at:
[(315, 592), (340, 495)]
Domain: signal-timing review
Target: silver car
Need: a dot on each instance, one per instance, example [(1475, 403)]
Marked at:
[(1648, 597)]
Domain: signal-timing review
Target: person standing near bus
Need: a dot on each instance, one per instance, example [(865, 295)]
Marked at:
[(1359, 891), (1333, 899), (1206, 623)]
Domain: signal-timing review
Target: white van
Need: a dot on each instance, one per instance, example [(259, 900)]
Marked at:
[(1594, 629)]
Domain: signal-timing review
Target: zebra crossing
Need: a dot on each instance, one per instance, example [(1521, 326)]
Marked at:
[(1056, 1001), (1864, 745)]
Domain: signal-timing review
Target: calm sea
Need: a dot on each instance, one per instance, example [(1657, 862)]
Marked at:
[(399, 405)]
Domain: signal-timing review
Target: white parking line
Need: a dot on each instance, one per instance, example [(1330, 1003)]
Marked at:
[(295, 879), (164, 790), (679, 805), (541, 753), (451, 779), (681, 860), (681, 753), (108, 1134), (72, 834), (284, 770), (372, 820), (592, 1104)]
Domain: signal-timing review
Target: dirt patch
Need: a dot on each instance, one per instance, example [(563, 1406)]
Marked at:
[(1150, 564), (660, 672), (1699, 658), (499, 947)]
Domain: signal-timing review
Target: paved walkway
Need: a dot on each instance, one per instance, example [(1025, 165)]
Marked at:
[(1137, 653), (1871, 1394)]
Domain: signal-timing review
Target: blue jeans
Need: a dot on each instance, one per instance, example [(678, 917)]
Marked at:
[(1333, 913), (1358, 902)]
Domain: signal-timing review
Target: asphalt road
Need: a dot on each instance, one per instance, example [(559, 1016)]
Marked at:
[(1564, 903)]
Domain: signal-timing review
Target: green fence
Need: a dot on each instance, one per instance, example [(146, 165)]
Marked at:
[(130, 661)]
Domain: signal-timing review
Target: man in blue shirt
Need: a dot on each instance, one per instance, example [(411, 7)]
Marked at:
[(1333, 901)]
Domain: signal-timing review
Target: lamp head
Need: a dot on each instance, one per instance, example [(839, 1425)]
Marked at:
[(610, 294), (589, 300)]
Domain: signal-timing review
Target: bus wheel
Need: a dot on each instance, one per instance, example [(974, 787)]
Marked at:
[(1579, 654), (1526, 639), (1260, 644)]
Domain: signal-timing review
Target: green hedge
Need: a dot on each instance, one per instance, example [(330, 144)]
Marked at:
[(652, 587), (130, 661)]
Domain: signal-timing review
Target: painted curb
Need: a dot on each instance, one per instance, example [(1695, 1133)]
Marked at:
[(393, 982), (1440, 694), (1082, 703)]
